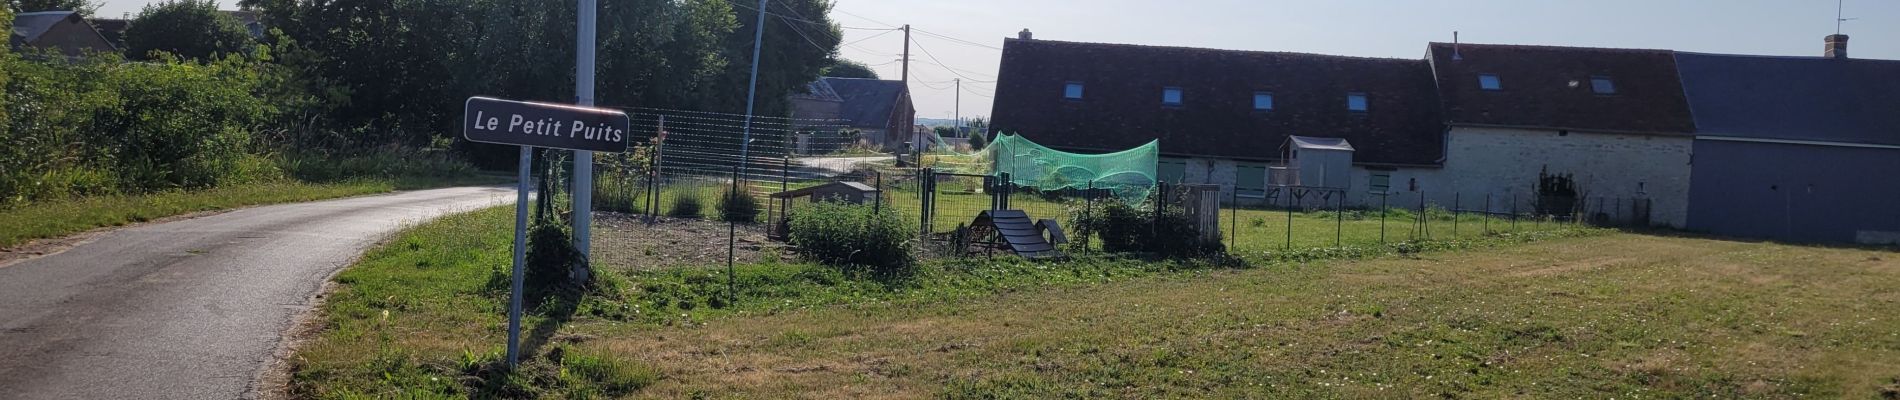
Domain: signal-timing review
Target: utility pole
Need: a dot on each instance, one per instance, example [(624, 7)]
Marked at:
[(583, 185), (752, 92), (958, 113), (905, 76)]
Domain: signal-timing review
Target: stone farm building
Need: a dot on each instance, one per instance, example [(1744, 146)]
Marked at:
[(1614, 132)]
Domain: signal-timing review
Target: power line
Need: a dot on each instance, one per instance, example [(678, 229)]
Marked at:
[(866, 19), (939, 64), (956, 40), (886, 32), (801, 18), (960, 69)]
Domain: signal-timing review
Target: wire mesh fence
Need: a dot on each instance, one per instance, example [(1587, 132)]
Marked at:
[(704, 189)]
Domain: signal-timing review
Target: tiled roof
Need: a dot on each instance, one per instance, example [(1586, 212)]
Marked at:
[(1794, 98), (112, 29), (30, 25), (1121, 106), (1550, 87), (868, 102)]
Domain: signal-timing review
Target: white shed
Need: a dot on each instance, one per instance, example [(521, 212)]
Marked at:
[(1314, 162)]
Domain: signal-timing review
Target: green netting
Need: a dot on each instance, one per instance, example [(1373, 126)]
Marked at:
[(1129, 174)]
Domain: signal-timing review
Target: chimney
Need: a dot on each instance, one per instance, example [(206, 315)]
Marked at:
[(1836, 46), (1025, 35)]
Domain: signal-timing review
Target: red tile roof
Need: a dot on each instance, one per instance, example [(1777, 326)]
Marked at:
[(1549, 87), (1122, 106)]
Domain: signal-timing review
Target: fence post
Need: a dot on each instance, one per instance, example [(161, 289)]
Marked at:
[(732, 243), (1088, 214), (1160, 207), (1513, 212), (1289, 217), (925, 186), (1487, 213), (877, 204), (1455, 213), (1233, 216), (1339, 220)]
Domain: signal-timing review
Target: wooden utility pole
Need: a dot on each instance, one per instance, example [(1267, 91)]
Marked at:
[(910, 134), (958, 113)]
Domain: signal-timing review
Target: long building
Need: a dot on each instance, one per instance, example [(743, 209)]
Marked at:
[(1630, 136)]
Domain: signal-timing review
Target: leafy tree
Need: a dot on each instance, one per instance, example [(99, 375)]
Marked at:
[(849, 69), (188, 28), (83, 7)]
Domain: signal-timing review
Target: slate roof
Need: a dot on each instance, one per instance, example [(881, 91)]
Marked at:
[(1794, 98), (1121, 106), (29, 26), (867, 102), (819, 90), (1537, 88), (112, 29)]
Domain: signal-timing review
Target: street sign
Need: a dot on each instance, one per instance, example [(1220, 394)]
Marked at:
[(530, 125), (554, 126)]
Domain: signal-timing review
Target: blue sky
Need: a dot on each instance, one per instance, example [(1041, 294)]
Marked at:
[(1374, 28)]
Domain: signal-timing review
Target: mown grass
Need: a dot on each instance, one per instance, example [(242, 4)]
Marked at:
[(59, 218), (422, 315)]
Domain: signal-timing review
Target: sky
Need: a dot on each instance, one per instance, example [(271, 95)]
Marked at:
[(1370, 28)]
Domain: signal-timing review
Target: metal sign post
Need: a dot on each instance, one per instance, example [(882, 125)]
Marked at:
[(530, 125)]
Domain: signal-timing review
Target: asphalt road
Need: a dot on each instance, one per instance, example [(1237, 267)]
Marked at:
[(189, 309)]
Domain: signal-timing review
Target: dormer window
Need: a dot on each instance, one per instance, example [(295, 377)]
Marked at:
[(1490, 82), (1356, 102), (1072, 91), (1602, 85), (1263, 101), (1171, 97)]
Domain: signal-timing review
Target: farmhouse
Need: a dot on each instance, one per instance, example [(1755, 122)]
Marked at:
[(880, 110), (1795, 148), (1608, 126)]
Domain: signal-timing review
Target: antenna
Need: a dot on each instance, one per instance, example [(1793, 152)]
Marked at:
[(1840, 7)]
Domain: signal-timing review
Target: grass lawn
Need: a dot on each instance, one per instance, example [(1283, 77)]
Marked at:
[(59, 218), (1576, 314)]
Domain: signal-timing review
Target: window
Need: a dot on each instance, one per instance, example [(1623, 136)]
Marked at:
[(1072, 91), (1171, 96), (1490, 82), (1250, 180), (1602, 85), (1356, 102), (1262, 101), (1172, 170), (1380, 182)]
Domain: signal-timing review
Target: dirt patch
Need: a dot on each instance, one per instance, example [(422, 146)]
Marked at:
[(627, 241)]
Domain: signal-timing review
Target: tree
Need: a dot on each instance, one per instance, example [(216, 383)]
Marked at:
[(849, 69), (83, 7), (187, 28)]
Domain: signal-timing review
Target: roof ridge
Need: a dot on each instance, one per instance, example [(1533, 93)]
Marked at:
[(1782, 57), (1006, 41), (1554, 47)]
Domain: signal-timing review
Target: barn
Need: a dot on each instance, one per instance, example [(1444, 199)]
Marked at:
[(1797, 149)]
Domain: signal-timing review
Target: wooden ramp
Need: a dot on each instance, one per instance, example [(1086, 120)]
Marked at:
[(1014, 229)]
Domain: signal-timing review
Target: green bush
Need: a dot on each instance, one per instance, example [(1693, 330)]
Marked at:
[(855, 236), (551, 259), (1128, 229), (686, 204), (736, 205), (163, 125)]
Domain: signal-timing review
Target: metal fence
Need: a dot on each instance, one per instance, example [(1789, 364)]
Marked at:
[(669, 202)]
